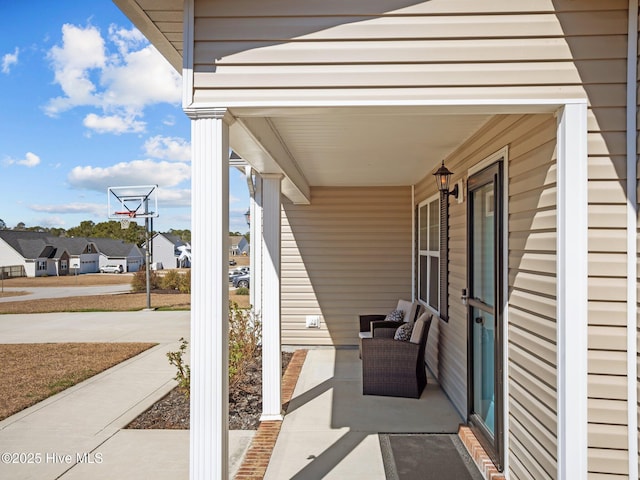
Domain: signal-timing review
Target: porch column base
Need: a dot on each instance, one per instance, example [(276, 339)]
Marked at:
[(271, 417)]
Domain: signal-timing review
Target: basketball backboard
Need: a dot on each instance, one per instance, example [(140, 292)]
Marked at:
[(139, 201)]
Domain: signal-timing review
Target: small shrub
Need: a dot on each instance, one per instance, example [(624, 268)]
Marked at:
[(171, 280), (242, 291), (185, 283), (183, 375), (139, 282), (245, 337)]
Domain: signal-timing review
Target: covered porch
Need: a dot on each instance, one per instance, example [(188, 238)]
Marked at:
[(309, 214)]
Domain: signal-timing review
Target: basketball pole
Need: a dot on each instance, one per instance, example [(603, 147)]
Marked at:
[(148, 261)]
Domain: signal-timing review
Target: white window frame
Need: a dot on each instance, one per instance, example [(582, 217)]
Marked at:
[(41, 265), (429, 253)]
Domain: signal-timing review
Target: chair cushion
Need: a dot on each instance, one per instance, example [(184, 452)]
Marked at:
[(403, 332), (416, 334), (407, 307), (395, 316), (365, 335)]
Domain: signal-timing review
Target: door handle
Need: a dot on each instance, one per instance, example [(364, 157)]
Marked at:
[(479, 320)]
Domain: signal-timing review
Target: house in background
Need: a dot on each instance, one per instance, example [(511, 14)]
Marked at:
[(238, 245), (35, 254), (166, 249), (83, 254), (32, 254), (117, 252), (342, 111)]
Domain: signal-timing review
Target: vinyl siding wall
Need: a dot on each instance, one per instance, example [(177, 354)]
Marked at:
[(348, 253), (248, 51)]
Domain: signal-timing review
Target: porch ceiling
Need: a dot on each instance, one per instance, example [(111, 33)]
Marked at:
[(371, 149)]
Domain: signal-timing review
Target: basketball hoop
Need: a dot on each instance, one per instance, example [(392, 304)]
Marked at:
[(128, 213), (125, 218)]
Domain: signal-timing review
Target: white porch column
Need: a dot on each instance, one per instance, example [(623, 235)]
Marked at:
[(572, 296), (256, 247), (209, 295), (271, 356)]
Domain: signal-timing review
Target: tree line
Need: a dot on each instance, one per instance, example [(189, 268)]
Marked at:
[(110, 229)]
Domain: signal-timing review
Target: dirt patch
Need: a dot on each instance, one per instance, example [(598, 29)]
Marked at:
[(245, 403), (91, 303), (123, 302), (32, 372)]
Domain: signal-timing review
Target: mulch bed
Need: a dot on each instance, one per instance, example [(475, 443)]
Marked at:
[(245, 403)]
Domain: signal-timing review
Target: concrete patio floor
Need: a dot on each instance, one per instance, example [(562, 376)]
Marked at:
[(331, 429)]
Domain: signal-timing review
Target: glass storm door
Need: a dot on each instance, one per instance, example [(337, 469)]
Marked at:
[(485, 307)]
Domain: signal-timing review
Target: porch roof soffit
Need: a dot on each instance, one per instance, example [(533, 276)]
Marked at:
[(258, 142), (161, 22)]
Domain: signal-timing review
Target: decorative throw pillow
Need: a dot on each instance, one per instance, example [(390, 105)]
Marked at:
[(395, 316), (403, 332)]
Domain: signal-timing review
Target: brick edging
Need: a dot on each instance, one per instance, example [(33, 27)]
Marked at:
[(256, 460), (480, 457)]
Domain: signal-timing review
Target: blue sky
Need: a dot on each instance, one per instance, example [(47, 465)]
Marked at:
[(87, 103)]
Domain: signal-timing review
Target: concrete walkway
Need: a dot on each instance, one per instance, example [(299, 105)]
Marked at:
[(77, 434)]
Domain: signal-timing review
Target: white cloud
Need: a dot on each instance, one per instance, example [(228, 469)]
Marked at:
[(67, 208), (174, 197), (10, 59), (30, 160), (137, 172), (52, 221), (168, 148), (125, 39), (119, 77), (82, 51), (113, 124), (143, 78)]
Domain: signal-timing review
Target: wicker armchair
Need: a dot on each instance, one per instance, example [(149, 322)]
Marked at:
[(394, 367), (369, 322), (410, 309)]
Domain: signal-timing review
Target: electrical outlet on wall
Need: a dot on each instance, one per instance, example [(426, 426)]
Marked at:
[(313, 321)]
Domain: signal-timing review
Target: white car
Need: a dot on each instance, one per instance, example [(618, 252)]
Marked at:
[(111, 269)]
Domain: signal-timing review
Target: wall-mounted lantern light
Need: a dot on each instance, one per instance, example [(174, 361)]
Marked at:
[(443, 175), (247, 217)]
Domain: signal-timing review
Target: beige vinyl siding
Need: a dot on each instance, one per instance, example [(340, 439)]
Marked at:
[(346, 254), (246, 50)]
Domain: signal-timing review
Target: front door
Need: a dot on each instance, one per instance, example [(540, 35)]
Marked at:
[(485, 230)]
